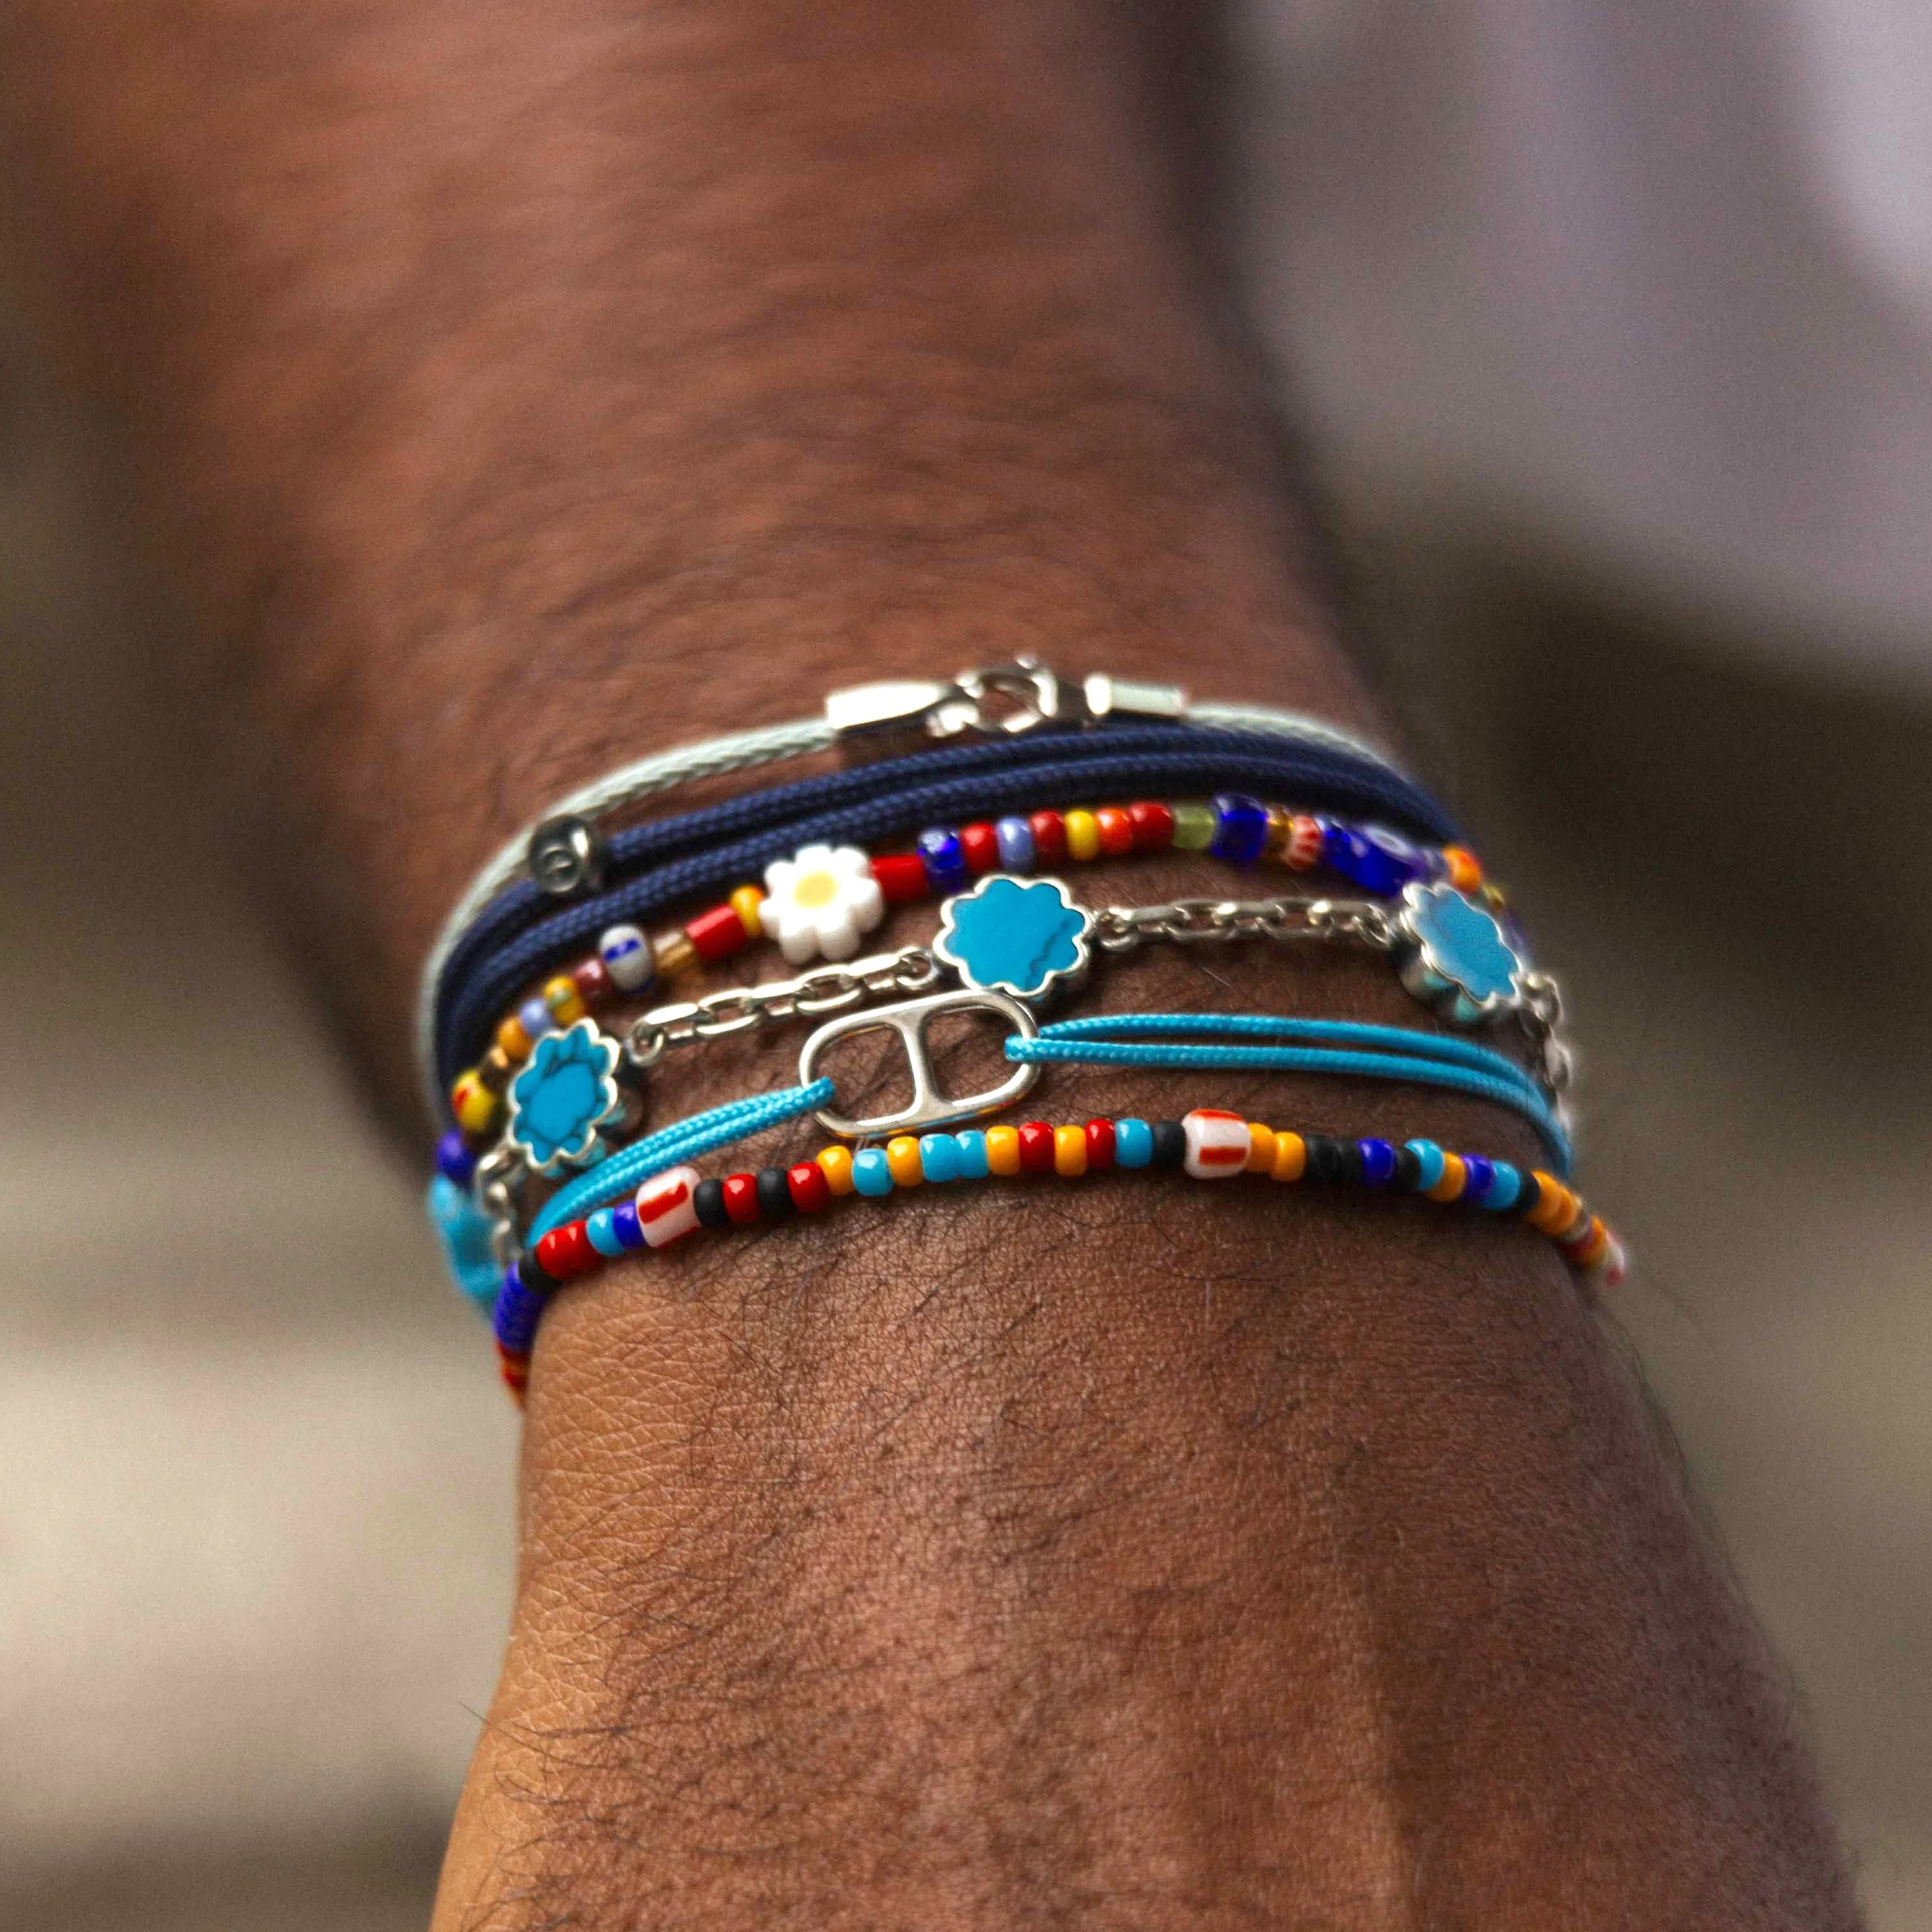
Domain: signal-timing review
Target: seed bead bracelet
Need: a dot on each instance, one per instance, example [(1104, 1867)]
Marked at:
[(820, 901), (1207, 1143), (522, 934)]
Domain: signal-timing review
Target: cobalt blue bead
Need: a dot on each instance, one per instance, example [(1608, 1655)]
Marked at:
[(1016, 847), (1240, 828), (1133, 1143), (630, 1229), (1479, 1177), (518, 1311), (1391, 861), (945, 863), (1377, 1162), (454, 1160)]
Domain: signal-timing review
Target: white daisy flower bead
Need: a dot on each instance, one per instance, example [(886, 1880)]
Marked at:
[(820, 901)]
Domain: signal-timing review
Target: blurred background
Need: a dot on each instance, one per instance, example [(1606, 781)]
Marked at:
[(1613, 334)]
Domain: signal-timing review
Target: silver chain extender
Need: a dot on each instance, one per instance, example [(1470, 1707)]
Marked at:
[(734, 1009)]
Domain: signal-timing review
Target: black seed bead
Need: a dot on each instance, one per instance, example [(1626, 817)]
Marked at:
[(1170, 1143), (1352, 1169), (532, 1275), (707, 1199), (1408, 1171), (775, 1200), (1325, 1157)]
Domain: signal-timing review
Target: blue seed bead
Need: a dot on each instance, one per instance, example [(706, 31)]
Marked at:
[(1433, 1164), (870, 1174), (939, 1156), (1133, 1143), (1377, 1162), (939, 851), (1505, 1185), (454, 1160), (518, 1311), (535, 1017), (1016, 846), (1240, 828), (1391, 862), (629, 1229), (1479, 1177), (972, 1145), (602, 1235)]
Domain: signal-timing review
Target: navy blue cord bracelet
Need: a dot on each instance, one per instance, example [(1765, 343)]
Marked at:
[(512, 943)]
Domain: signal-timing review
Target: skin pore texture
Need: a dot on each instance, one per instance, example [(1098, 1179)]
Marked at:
[(511, 391)]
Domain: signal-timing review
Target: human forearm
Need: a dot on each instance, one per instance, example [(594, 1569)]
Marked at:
[(524, 391)]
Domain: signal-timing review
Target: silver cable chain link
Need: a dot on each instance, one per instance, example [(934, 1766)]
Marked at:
[(830, 989), (1189, 922), (500, 1175)]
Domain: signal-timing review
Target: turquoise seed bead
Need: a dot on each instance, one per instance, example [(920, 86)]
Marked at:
[(1503, 1189), (972, 1146), (1433, 1163), (601, 1227), (939, 1157), (1133, 1143), (870, 1173)]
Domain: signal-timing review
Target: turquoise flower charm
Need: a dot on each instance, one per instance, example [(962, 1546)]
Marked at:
[(463, 1230), (1008, 935), (566, 1092), (1459, 959)]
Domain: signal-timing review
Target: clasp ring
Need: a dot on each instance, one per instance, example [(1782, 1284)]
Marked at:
[(929, 1107)]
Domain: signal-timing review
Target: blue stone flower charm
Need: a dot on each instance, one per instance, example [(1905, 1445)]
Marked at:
[(565, 1094), (1023, 937), (463, 1230), (1459, 959)]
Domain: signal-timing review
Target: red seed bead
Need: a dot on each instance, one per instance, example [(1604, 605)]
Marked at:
[(591, 980), (1099, 1144), (810, 1189), (979, 845), (1035, 1148), (741, 1197), (1049, 837), (514, 1367), (716, 934), (1116, 830), (1153, 823), (566, 1251), (901, 877)]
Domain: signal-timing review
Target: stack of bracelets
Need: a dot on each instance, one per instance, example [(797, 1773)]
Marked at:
[(973, 792)]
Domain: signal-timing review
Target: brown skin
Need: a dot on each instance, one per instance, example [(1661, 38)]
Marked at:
[(516, 389)]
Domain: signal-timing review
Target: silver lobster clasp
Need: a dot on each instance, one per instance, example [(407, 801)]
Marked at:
[(929, 1108)]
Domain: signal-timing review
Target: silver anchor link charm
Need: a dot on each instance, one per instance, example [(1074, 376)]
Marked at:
[(910, 1019)]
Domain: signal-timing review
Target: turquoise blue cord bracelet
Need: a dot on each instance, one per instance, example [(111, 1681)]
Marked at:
[(1321, 1046)]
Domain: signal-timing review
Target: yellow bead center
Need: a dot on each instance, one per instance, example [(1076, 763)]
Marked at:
[(816, 890)]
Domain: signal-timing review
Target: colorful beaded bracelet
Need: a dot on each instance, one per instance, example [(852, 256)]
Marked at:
[(522, 934), (1208, 1143), (820, 901)]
